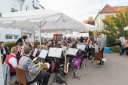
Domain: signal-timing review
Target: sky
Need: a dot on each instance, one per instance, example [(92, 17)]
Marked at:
[(80, 9)]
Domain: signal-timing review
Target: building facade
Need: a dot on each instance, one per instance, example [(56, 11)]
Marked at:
[(106, 11), (7, 6)]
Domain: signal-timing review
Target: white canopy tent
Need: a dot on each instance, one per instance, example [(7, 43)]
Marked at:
[(89, 27), (42, 20)]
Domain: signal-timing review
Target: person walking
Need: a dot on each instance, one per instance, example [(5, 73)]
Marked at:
[(122, 42), (101, 45)]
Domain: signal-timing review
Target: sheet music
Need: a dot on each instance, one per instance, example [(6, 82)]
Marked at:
[(64, 48), (55, 52), (81, 47), (72, 51), (35, 51), (43, 53)]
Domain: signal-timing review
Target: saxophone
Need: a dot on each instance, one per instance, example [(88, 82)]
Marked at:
[(66, 64)]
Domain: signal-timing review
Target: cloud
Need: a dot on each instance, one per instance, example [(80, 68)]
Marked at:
[(79, 9)]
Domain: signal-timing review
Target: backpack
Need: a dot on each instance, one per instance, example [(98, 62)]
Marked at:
[(76, 62)]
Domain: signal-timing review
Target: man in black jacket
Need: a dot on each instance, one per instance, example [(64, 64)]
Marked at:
[(22, 39), (4, 51)]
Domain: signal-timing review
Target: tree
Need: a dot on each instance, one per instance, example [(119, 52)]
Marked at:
[(114, 26), (90, 21)]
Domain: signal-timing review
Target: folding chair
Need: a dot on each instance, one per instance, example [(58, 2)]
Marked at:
[(20, 76), (96, 57)]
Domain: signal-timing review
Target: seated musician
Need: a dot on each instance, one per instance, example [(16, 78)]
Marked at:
[(74, 44), (19, 51), (33, 72), (11, 60), (46, 45)]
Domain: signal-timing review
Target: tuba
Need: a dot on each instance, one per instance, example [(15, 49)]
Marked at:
[(44, 66), (66, 64)]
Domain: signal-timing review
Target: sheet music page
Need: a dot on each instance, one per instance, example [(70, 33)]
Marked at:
[(35, 51), (72, 51), (55, 52), (64, 48), (81, 47), (51, 52), (43, 53), (58, 52)]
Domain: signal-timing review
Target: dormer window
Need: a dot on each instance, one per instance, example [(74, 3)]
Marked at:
[(13, 10), (36, 4)]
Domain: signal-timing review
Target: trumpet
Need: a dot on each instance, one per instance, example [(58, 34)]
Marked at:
[(44, 66)]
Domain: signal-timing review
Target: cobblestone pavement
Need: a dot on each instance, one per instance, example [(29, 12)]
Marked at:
[(114, 72)]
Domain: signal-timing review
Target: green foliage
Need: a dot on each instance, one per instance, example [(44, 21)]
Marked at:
[(115, 48), (114, 26), (9, 45)]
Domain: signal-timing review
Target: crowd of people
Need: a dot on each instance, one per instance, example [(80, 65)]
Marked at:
[(21, 56)]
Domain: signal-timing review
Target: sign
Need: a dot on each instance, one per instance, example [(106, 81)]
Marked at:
[(72, 51), (55, 52), (81, 47), (43, 53)]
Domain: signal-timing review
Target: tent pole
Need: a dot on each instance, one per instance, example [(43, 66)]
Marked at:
[(40, 36), (21, 32), (34, 35)]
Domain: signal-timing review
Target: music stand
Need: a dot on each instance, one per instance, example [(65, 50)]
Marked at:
[(73, 52), (56, 54)]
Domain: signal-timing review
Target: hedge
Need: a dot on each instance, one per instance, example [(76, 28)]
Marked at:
[(9, 45)]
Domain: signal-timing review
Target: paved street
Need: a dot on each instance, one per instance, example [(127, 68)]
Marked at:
[(114, 72)]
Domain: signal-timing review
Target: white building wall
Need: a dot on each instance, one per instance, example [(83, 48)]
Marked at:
[(5, 7), (11, 32), (99, 23), (28, 5)]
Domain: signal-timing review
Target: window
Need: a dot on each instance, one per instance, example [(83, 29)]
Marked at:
[(8, 36), (15, 37), (13, 10), (36, 4)]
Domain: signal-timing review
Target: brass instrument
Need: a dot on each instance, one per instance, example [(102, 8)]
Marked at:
[(66, 64), (44, 66)]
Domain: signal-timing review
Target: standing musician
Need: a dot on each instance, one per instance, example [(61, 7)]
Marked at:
[(22, 39), (4, 51), (33, 71)]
